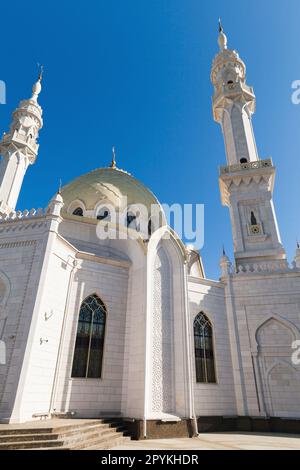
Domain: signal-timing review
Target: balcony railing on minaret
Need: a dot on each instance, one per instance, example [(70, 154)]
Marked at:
[(245, 166)]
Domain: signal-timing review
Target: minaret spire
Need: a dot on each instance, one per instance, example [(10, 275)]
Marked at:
[(19, 148), (37, 87), (222, 39), (246, 182), (233, 103), (220, 26), (41, 72)]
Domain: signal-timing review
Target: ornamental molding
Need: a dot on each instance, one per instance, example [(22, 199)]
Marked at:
[(22, 227), (232, 183), (267, 163), (264, 267), (102, 260), (23, 220), (17, 244)]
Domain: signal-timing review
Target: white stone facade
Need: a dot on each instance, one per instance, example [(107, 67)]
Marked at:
[(152, 289)]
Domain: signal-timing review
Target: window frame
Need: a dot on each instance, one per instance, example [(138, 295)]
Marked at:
[(90, 339), (215, 382), (76, 209)]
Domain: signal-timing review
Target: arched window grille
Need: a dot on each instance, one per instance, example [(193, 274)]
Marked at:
[(88, 355), (78, 211), (204, 351)]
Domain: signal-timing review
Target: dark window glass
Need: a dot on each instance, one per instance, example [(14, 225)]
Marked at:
[(103, 215), (150, 227), (204, 353), (130, 218), (88, 354), (78, 211), (253, 219)]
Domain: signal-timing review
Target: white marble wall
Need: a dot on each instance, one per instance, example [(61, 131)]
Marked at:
[(213, 399), (267, 310), (90, 397), (44, 278)]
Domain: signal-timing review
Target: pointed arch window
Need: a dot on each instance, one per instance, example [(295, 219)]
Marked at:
[(204, 351), (132, 220), (88, 354)]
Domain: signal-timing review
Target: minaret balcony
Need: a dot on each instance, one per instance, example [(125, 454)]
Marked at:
[(20, 142), (231, 177), (246, 166), (230, 91)]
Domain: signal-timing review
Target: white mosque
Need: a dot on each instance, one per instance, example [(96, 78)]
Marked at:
[(131, 327)]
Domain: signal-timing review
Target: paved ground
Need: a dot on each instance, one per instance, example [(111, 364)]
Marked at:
[(220, 441), (209, 441)]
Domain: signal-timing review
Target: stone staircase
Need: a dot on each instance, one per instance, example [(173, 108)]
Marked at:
[(86, 435)]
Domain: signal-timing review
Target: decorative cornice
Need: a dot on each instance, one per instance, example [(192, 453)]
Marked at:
[(22, 215), (102, 260), (233, 177), (23, 225), (205, 282)]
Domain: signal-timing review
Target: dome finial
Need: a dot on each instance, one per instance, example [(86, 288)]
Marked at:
[(113, 160), (222, 39)]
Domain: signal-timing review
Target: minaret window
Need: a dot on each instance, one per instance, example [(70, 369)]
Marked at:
[(204, 351), (88, 354), (243, 160), (78, 211), (253, 219)]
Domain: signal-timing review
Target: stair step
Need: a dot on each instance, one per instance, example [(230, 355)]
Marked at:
[(101, 434), (104, 443), (31, 445), (101, 428), (109, 444), (28, 437), (55, 429)]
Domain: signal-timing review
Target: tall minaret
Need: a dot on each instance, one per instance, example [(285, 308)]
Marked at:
[(19, 148), (246, 183)]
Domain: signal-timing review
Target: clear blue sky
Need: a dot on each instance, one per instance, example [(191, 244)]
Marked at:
[(135, 74)]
